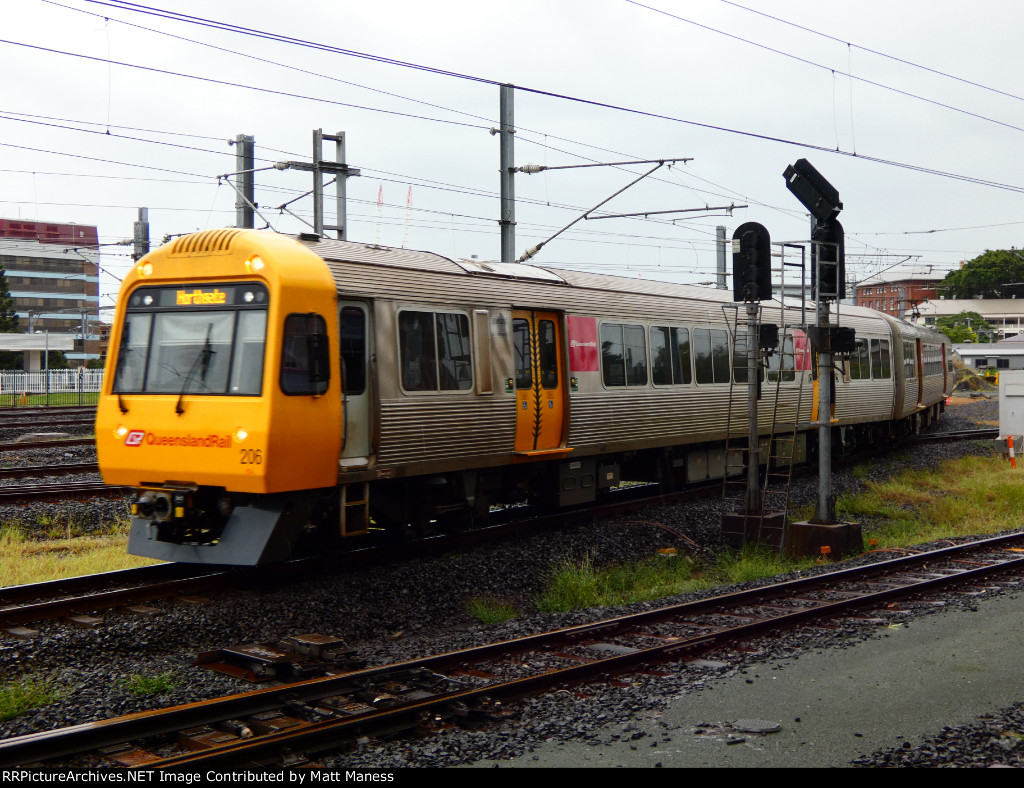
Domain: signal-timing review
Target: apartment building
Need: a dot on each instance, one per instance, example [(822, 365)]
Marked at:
[(53, 276)]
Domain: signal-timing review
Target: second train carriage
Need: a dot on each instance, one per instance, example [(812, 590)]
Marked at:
[(269, 393)]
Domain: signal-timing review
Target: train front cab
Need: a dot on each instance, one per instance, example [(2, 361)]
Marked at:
[(222, 403)]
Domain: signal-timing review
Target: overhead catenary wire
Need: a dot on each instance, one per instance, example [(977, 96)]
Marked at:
[(625, 233), (846, 74), (482, 80), (863, 48)]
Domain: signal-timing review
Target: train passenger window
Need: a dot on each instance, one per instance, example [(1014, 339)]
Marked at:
[(623, 355), (435, 351), (352, 325), (785, 359), (521, 349), (860, 366), (305, 364), (670, 356), (454, 352), (927, 360), (909, 365), (613, 366), (418, 351), (880, 362), (548, 354), (711, 355)]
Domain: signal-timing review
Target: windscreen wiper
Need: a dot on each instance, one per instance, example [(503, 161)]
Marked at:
[(202, 361)]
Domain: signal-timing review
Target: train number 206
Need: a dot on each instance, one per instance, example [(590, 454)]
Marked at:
[(251, 456)]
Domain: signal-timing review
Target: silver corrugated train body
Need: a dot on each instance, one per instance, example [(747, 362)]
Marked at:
[(457, 386)]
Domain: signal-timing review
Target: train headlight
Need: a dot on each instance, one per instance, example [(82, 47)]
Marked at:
[(143, 505), (240, 434), (121, 431), (254, 264), (145, 269)]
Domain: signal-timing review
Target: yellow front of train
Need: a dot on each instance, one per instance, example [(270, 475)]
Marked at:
[(221, 398)]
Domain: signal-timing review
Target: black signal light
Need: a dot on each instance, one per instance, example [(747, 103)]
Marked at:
[(751, 263), (828, 248)]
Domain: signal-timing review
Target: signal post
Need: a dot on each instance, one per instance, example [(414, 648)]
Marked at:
[(752, 283), (824, 534)]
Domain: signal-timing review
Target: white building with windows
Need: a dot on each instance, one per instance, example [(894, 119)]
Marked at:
[(1005, 315)]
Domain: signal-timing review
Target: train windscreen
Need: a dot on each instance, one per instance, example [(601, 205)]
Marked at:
[(199, 340)]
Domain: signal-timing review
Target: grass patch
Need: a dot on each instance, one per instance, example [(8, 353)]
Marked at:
[(488, 610), (579, 584), (27, 693), (965, 497), (138, 684), (753, 563), (971, 496), (69, 555)]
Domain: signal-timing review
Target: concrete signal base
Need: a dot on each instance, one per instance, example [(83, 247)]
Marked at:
[(807, 539), (764, 530)]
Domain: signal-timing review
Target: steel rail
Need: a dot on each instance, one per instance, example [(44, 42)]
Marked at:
[(54, 444), (23, 492), (79, 738), (23, 471)]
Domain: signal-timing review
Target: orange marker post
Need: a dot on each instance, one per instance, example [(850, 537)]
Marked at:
[(1009, 444)]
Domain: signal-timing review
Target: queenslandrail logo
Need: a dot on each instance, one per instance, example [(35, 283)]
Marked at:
[(189, 441), (201, 297), (577, 343)]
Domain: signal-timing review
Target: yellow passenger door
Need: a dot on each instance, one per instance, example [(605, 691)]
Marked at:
[(540, 391)]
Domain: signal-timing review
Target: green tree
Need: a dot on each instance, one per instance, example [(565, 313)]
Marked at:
[(964, 327), (994, 274)]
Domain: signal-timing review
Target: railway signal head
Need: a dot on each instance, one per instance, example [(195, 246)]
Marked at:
[(828, 254), (751, 263), (815, 193)]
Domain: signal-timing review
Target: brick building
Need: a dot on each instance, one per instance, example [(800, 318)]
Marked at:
[(898, 293)]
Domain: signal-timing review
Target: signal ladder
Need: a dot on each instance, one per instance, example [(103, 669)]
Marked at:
[(778, 450)]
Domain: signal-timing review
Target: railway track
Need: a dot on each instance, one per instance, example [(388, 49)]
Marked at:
[(128, 587), (31, 471), (59, 491), (57, 443), (298, 723), (957, 435), (94, 594), (8, 415), (47, 418), (68, 598)]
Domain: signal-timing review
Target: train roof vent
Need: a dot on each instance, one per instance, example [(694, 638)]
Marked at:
[(510, 270), (206, 241)]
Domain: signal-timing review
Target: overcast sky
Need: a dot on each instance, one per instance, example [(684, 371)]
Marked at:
[(108, 107)]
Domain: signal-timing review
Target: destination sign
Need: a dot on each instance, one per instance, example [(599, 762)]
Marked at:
[(198, 296)]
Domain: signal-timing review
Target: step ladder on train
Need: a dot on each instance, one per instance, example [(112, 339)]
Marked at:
[(355, 508)]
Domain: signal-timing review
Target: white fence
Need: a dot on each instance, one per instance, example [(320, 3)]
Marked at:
[(54, 381)]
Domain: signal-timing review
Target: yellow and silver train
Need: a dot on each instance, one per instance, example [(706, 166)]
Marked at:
[(270, 395)]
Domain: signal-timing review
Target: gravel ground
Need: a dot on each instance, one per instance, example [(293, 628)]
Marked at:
[(402, 611)]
